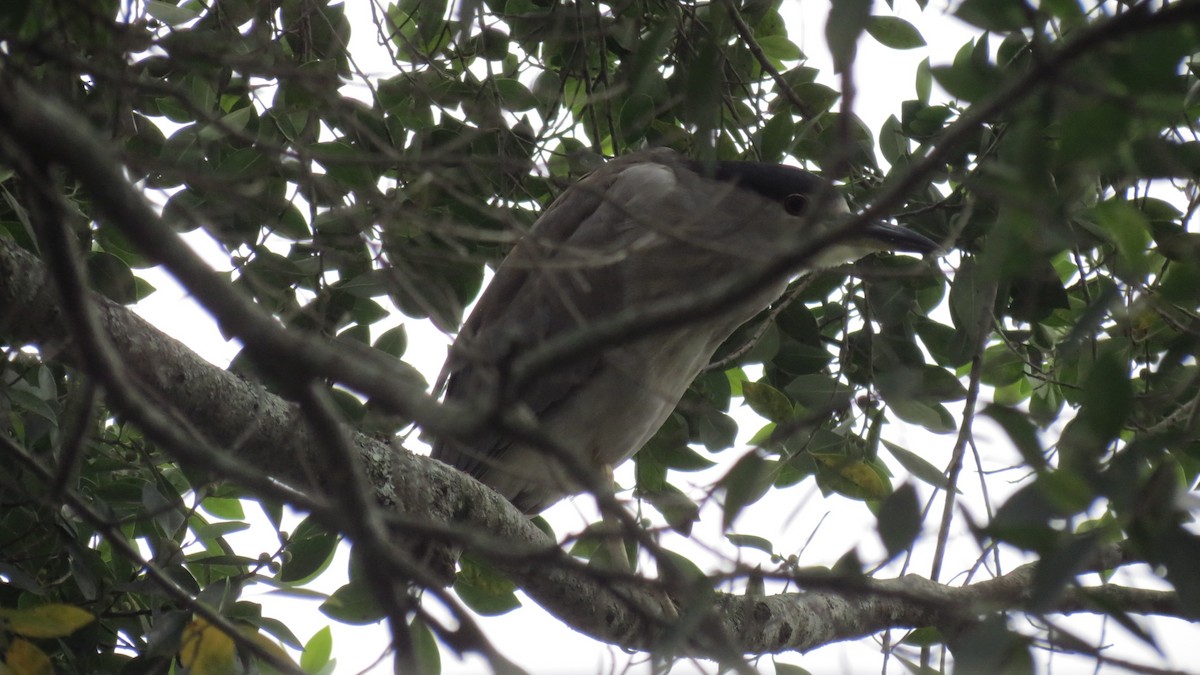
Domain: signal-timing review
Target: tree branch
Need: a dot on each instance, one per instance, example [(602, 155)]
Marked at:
[(54, 134), (624, 327), (426, 497), (259, 429)]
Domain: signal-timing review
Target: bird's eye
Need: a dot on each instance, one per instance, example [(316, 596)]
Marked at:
[(795, 203)]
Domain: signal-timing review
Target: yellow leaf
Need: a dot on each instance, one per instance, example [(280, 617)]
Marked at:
[(46, 621), (24, 658), (205, 650), (866, 483)]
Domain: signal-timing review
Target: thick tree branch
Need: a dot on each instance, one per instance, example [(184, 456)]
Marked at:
[(260, 430), (53, 134), (257, 429), (433, 499)]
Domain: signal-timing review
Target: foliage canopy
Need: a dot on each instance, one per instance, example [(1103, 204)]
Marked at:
[(1057, 158)]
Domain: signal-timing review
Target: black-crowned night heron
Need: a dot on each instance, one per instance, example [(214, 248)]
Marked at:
[(642, 228)]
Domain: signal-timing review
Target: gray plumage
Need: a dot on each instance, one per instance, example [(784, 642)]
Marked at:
[(642, 228)]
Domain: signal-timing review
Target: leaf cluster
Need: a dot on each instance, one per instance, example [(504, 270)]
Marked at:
[(1057, 160)]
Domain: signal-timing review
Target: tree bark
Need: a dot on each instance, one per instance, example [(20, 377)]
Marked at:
[(264, 432)]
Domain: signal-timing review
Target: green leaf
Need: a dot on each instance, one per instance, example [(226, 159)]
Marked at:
[(702, 102), (348, 404), (767, 401), (969, 296), (310, 549), (650, 473), (1020, 431), (924, 81), (819, 97), (393, 341), (428, 283), (1057, 569), (484, 589), (746, 483), (220, 594), (894, 32), (751, 541), (676, 507), (932, 416), (209, 532), (494, 44), (1063, 9), (637, 112), (718, 431), (940, 384), (244, 160), (922, 637), (800, 358), (994, 15), (111, 277), (779, 48), (1023, 520), (788, 669), (1035, 292), (425, 648), (1001, 366), (892, 143), (762, 437), (113, 240), (228, 509), (1160, 158), (776, 137), (169, 13), (1107, 403), (989, 645), (317, 651), (819, 391), (31, 403), (1129, 230), (547, 87), (1181, 282), (736, 377), (918, 466), (1045, 403), (681, 570), (820, 442), (1093, 131), (972, 76), (923, 122), (968, 81), (515, 96), (166, 509), (899, 520), (714, 388), (345, 164), (353, 604)]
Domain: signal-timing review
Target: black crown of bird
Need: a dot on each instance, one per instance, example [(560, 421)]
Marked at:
[(643, 228)]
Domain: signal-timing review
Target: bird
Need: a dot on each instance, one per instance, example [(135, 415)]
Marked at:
[(644, 227)]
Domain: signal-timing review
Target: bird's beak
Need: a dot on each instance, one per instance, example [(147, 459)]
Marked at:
[(890, 237)]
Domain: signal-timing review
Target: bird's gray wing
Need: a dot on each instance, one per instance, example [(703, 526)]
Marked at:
[(554, 280)]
